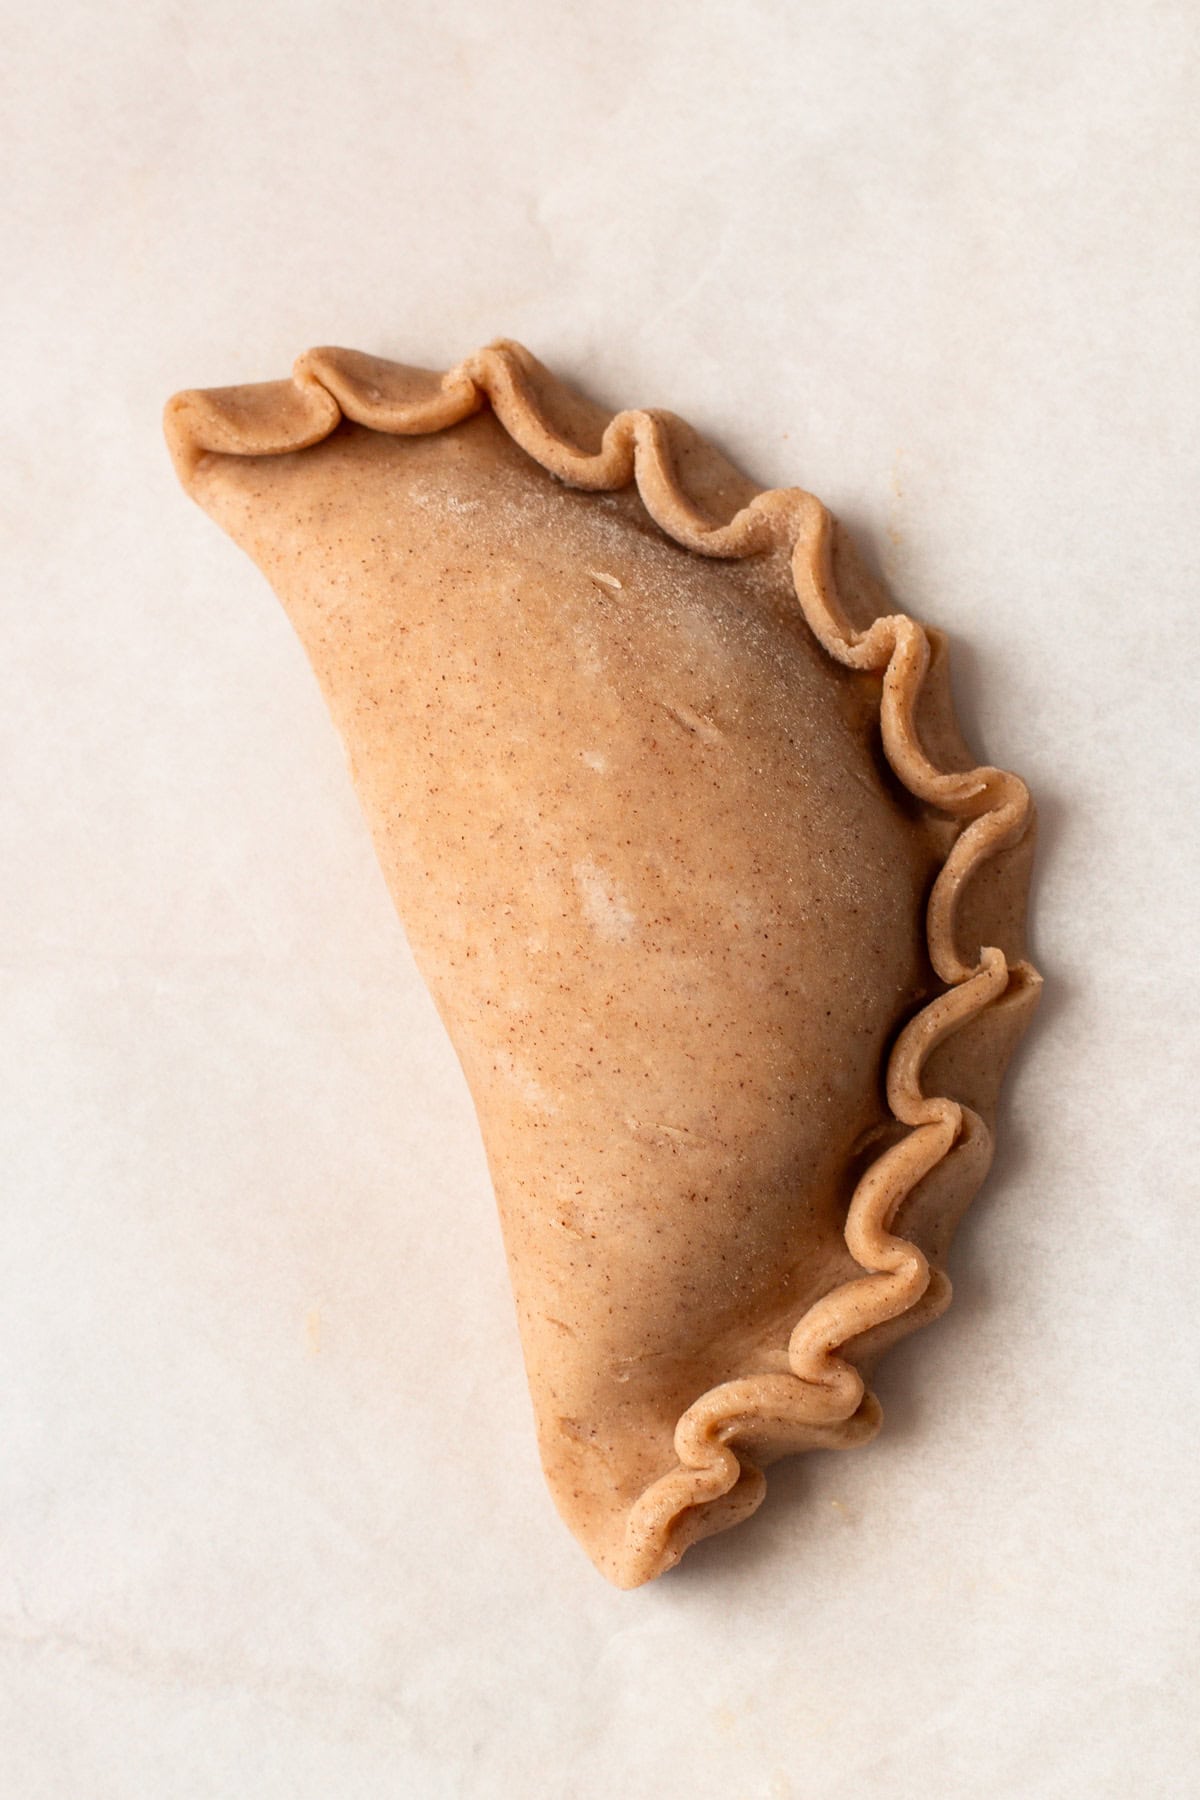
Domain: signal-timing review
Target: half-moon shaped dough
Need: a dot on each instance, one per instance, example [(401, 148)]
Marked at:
[(722, 919)]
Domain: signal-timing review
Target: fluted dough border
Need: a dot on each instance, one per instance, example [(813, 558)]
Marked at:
[(823, 1398)]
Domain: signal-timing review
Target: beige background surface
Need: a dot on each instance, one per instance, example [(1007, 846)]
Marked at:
[(934, 260)]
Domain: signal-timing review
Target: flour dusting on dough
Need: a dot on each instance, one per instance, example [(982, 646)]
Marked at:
[(604, 905), (589, 656), (525, 1083)]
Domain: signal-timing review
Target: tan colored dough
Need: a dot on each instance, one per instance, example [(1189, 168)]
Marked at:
[(723, 922)]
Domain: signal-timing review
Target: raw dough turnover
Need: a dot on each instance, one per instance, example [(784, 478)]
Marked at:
[(722, 918)]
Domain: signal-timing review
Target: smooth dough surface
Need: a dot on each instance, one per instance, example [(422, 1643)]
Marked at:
[(667, 879)]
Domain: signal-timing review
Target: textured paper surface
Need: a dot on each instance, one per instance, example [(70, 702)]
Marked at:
[(935, 262)]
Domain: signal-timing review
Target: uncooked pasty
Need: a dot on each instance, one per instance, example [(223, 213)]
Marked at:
[(723, 920)]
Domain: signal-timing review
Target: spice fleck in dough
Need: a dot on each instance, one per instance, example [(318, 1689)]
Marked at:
[(722, 919)]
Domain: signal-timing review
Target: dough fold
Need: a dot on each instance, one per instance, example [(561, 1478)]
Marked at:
[(723, 919)]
